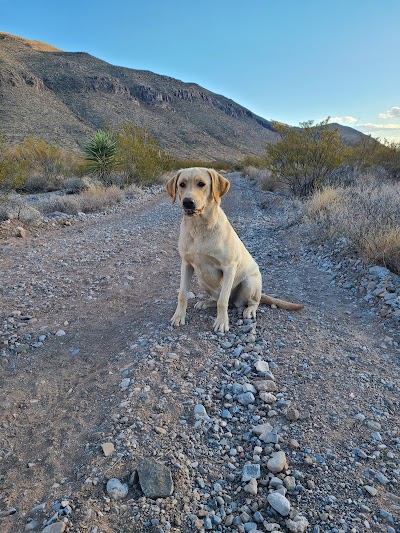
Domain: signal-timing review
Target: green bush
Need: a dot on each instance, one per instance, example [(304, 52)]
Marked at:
[(369, 153), (302, 158), (12, 173), (40, 158), (140, 158)]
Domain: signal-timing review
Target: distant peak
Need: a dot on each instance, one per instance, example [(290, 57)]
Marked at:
[(36, 45)]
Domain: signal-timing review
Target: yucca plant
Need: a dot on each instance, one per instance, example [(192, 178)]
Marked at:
[(101, 155)]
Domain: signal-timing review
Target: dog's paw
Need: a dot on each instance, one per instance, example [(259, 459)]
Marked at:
[(205, 304), (250, 312), (221, 325), (178, 319)]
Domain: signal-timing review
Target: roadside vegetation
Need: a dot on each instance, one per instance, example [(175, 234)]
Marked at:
[(345, 190), (350, 191), (113, 164)]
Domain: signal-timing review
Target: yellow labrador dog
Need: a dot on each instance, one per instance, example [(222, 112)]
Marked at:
[(210, 247)]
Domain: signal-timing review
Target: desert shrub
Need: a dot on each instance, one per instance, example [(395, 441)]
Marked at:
[(76, 185), (250, 160), (382, 157), (12, 173), (37, 183), (89, 201), (367, 214), (17, 208), (100, 153), (324, 200), (42, 167), (141, 160), (264, 177), (302, 158), (383, 246), (251, 172), (62, 204), (41, 158), (99, 198)]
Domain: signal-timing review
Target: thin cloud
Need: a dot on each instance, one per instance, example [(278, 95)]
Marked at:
[(347, 118), (378, 127), (394, 112)]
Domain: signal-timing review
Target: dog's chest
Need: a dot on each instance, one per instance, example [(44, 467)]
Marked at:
[(202, 249)]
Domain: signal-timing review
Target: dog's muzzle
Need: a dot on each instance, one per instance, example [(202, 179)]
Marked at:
[(189, 206)]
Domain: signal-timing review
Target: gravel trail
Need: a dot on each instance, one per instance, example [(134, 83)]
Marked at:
[(289, 423)]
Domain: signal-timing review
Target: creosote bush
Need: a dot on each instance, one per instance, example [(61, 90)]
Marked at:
[(302, 158), (12, 174), (140, 158)]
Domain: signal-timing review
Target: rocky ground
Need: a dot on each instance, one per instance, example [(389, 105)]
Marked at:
[(112, 421)]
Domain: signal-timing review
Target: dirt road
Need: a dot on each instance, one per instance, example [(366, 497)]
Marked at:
[(87, 306)]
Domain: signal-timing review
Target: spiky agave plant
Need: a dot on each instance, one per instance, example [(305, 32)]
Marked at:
[(101, 154)]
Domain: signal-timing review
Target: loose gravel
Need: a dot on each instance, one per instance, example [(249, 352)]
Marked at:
[(114, 421)]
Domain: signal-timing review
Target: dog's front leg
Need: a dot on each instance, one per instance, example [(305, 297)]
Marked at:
[(222, 321), (186, 275)]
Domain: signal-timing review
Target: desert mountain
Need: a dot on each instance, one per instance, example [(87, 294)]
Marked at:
[(62, 97)]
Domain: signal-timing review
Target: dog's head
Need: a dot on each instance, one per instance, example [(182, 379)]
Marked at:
[(196, 188)]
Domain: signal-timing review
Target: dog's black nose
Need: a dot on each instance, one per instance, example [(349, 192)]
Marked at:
[(188, 203)]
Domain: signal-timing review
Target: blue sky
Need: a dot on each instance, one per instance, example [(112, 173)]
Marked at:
[(287, 60)]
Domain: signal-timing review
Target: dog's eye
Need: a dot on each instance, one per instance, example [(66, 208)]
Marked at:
[(201, 184), (182, 184)]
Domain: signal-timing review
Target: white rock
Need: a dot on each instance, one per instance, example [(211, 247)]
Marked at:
[(251, 487), (277, 462), (57, 527), (246, 398), (262, 428), (200, 410), (278, 502), (267, 397), (298, 525), (116, 490), (108, 448), (262, 366), (266, 385)]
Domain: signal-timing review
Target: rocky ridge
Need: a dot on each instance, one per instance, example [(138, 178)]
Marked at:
[(63, 97)]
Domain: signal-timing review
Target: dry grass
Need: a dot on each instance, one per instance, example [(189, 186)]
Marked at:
[(36, 45), (264, 177), (89, 201), (16, 208), (38, 183), (323, 200), (383, 246), (367, 214)]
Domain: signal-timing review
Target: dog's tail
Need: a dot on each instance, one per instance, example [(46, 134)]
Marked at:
[(265, 299)]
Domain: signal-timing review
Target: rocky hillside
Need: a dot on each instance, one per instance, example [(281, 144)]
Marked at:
[(64, 96)]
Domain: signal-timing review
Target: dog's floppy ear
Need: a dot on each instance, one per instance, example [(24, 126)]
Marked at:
[(171, 187), (219, 184)]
